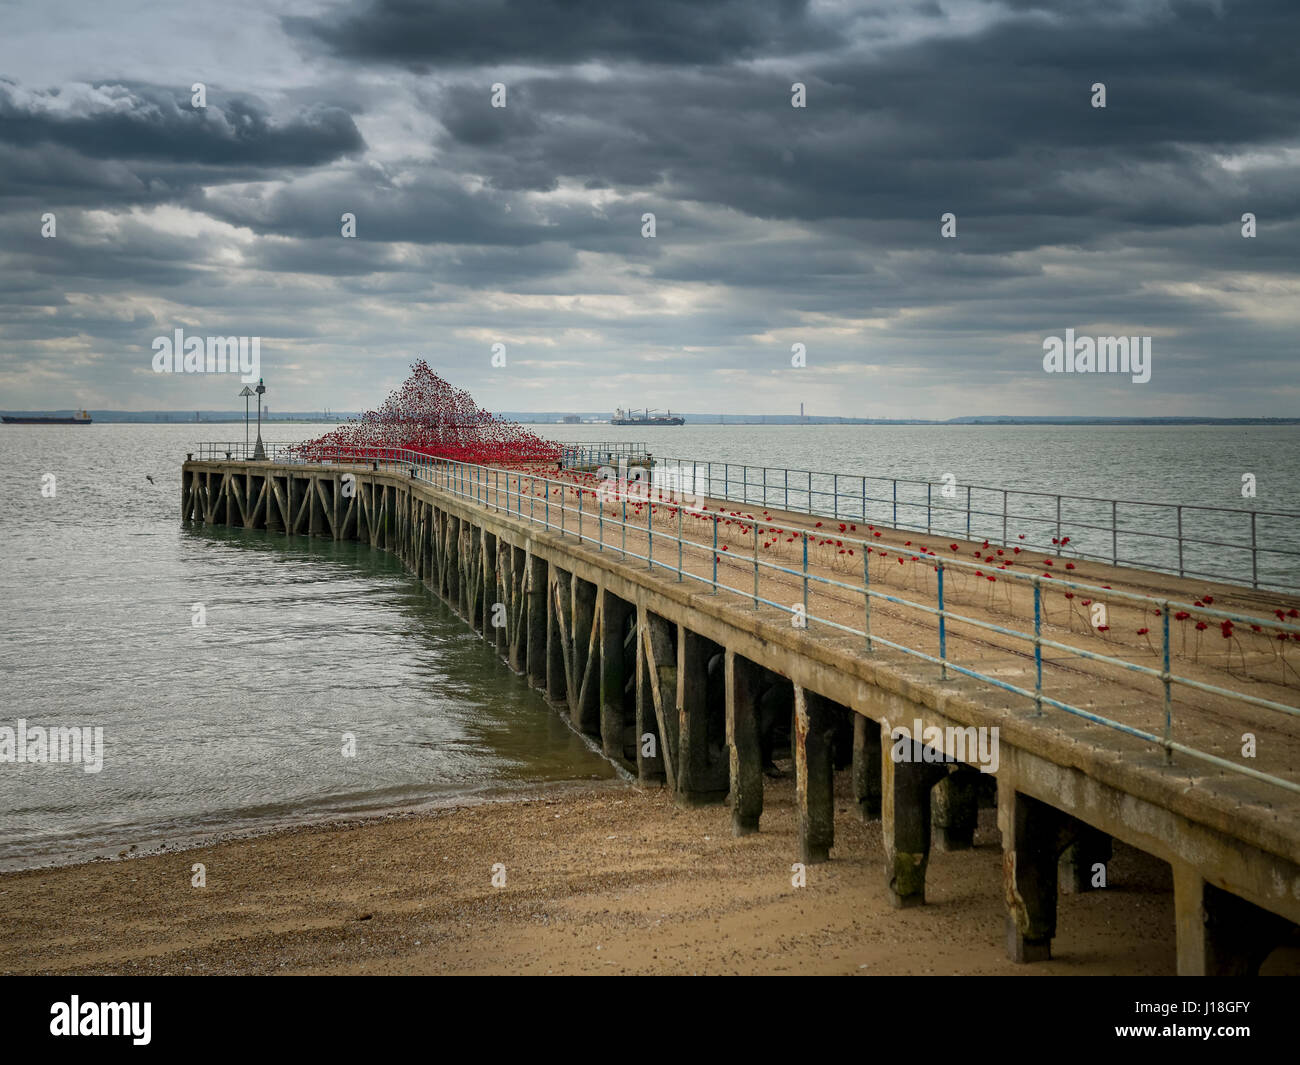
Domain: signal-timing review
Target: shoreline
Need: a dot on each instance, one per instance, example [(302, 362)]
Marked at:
[(604, 878), (152, 844)]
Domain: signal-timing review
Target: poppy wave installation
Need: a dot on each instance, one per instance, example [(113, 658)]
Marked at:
[(430, 416)]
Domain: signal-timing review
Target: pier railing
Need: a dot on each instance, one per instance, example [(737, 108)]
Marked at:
[(1241, 545), (604, 453), (532, 497)]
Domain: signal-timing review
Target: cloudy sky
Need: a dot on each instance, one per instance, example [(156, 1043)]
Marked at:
[(775, 225)]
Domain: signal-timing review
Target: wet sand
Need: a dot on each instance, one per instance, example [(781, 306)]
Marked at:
[(599, 879)]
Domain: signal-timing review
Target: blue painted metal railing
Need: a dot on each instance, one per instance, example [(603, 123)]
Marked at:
[(1240, 545)]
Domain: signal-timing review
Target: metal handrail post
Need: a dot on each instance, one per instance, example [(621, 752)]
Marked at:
[(1038, 648), (805, 578), (715, 554), (679, 539), (866, 590), (943, 631), (1165, 678)]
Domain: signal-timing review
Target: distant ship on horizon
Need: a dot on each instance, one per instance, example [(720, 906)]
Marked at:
[(80, 418), (632, 417)]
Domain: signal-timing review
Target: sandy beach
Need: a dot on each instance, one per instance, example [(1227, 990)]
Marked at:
[(598, 879)]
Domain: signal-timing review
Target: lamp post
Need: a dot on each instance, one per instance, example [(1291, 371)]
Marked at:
[(259, 453), (246, 393)]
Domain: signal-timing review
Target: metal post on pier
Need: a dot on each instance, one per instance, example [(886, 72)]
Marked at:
[(715, 553), (1038, 647), (1165, 678), (943, 632), (805, 578), (1114, 532), (866, 589), (1254, 557), (1180, 541), (679, 539)]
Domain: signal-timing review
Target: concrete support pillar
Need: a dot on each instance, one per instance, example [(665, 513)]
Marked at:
[(274, 523), (1033, 836), (954, 808), (613, 673), (468, 576), (585, 702), (438, 552), (453, 562), (537, 617), (294, 489), (814, 729), (557, 600), (489, 594), (480, 604), (1078, 867), (517, 636), (906, 781), (698, 781), (433, 545), (656, 691), (1218, 933), (743, 745), (866, 767)]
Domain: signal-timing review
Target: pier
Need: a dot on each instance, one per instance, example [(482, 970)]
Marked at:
[(694, 635)]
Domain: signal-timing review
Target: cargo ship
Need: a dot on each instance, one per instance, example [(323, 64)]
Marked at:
[(80, 418), (632, 417)]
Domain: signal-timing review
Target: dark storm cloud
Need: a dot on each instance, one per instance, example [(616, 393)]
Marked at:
[(993, 125), (428, 35), (115, 145), (118, 121)]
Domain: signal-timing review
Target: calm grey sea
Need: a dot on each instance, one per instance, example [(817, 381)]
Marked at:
[(239, 724)]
